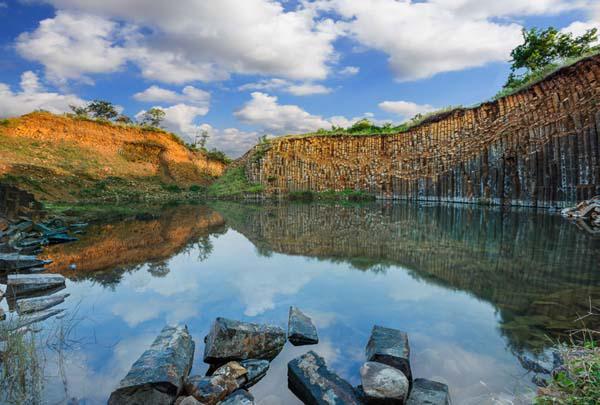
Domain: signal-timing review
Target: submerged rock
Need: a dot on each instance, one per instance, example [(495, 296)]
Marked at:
[(235, 340), (427, 392), (383, 384), (211, 390), (390, 346), (257, 369), (239, 397), (16, 261), (313, 383), (301, 330), (157, 376), (27, 283)]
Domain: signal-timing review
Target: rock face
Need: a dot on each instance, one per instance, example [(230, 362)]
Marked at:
[(257, 369), (538, 147), (383, 384), (314, 384), (157, 376), (390, 346), (427, 392), (301, 330), (240, 397), (235, 340)]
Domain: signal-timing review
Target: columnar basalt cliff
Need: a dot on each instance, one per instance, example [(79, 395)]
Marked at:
[(538, 147)]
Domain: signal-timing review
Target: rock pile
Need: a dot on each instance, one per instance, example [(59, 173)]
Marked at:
[(586, 215), (239, 354)]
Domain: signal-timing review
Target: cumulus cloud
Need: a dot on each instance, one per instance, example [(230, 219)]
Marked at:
[(232, 141), (350, 71), (263, 110), (189, 94), (33, 97), (275, 84), (194, 40), (405, 109), (180, 118)]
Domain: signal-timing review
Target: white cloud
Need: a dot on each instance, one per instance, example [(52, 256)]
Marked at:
[(192, 40), (423, 39), (71, 45), (33, 97), (263, 110), (189, 94), (275, 84), (593, 21), (350, 71), (180, 118), (405, 109), (232, 141)]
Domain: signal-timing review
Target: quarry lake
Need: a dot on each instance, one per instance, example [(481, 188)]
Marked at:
[(478, 290)]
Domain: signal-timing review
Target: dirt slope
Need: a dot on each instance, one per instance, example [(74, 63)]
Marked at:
[(59, 158)]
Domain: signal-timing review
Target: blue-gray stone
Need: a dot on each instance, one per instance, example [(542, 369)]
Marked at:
[(239, 397), (390, 346), (157, 376), (314, 384), (257, 369), (212, 389), (427, 392), (234, 340), (301, 330), (383, 384)]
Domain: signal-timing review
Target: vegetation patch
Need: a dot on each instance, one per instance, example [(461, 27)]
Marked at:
[(330, 195), (233, 184)]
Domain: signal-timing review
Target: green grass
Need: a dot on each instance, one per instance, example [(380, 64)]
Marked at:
[(4, 122), (232, 184), (330, 195)]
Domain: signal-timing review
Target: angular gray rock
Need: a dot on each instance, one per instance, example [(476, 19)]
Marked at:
[(313, 383), (28, 283), (390, 346), (233, 370), (257, 369), (211, 390), (157, 376), (427, 392), (28, 305), (301, 330), (19, 322), (189, 400), (16, 261), (239, 397), (235, 340), (383, 384)]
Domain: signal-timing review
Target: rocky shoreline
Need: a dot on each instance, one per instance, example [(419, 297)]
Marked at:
[(239, 354)]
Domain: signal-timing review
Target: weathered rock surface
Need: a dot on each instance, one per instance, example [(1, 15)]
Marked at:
[(211, 390), (427, 392), (257, 369), (313, 383), (233, 370), (189, 400), (16, 261), (390, 346), (239, 397), (19, 322), (27, 283), (383, 384), (28, 305), (301, 330), (235, 340), (157, 376)]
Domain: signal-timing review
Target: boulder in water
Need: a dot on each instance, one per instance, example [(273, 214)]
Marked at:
[(390, 346), (301, 330), (235, 340), (16, 261), (313, 383), (28, 283), (383, 384), (427, 392), (157, 376)]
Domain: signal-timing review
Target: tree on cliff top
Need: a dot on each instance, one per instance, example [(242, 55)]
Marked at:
[(153, 117), (98, 109), (544, 49)]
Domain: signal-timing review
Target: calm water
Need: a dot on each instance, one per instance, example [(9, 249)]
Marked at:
[(474, 288)]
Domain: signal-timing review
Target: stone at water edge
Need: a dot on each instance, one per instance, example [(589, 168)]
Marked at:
[(314, 384), (28, 305), (16, 261), (240, 397), (427, 392), (210, 390), (157, 376), (28, 283), (233, 370), (234, 340), (301, 330), (257, 369), (390, 346), (383, 384)]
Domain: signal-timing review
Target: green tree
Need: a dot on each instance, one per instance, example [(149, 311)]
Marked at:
[(153, 117), (546, 48), (123, 119), (102, 109), (81, 111)]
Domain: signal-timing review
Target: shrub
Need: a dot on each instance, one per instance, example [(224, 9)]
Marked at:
[(171, 188), (4, 122)]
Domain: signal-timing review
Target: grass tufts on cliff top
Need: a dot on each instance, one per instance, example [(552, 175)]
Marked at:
[(233, 183)]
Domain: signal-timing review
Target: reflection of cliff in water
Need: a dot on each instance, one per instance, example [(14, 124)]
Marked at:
[(107, 251), (535, 268)]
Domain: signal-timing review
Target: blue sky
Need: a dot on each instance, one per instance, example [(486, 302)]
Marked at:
[(243, 69)]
